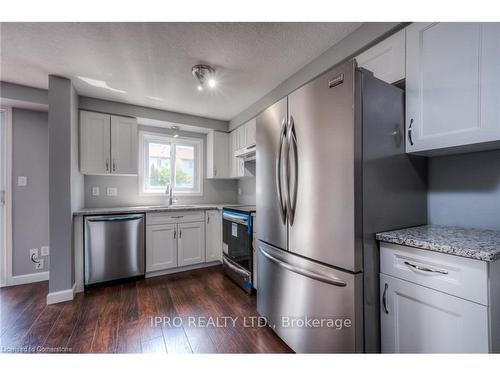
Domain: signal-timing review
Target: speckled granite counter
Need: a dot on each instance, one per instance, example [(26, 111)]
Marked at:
[(469, 243), (159, 208)]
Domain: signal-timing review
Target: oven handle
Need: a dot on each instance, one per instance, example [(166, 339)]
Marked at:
[(236, 269), (236, 219)]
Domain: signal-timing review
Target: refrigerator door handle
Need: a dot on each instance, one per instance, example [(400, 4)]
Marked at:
[(304, 272), (279, 159), (291, 197)]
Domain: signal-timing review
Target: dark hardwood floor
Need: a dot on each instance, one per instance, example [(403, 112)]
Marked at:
[(120, 318)]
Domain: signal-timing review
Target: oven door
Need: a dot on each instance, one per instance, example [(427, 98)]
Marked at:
[(236, 238)]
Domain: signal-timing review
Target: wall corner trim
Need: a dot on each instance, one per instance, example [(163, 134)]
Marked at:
[(61, 296)]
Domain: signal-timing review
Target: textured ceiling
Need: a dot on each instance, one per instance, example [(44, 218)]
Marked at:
[(152, 61)]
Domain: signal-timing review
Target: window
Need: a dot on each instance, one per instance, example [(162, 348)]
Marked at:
[(167, 160)]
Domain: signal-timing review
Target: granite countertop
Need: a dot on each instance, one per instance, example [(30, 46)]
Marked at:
[(469, 243), (152, 208)]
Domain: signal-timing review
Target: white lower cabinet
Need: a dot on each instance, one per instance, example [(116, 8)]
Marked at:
[(432, 302), (213, 232), (417, 319), (178, 239), (161, 247), (191, 243)]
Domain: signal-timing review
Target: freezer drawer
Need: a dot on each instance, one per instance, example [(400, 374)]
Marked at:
[(312, 307), (114, 247)]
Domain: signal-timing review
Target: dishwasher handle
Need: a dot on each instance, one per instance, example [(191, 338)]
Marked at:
[(114, 218)]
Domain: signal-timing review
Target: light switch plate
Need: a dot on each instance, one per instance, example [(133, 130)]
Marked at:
[(44, 251), (22, 180), (95, 191), (112, 192)]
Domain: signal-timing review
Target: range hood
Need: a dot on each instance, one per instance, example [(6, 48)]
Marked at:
[(247, 153)]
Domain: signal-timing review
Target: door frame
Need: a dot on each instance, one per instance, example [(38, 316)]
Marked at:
[(6, 246)]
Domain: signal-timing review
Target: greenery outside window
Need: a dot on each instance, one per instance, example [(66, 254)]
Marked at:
[(167, 160)]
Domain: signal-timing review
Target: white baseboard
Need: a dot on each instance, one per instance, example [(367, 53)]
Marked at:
[(28, 279), (182, 269), (61, 296)]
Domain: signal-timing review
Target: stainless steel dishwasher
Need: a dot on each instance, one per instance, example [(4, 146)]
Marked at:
[(114, 247)]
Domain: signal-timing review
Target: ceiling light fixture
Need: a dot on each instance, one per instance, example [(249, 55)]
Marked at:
[(205, 75), (175, 129)]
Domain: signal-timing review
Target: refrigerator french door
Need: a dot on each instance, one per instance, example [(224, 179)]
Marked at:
[(331, 172)]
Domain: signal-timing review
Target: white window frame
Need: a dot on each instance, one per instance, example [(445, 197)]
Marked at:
[(165, 138)]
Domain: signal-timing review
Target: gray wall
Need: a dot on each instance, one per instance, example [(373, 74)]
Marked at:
[(246, 190), (362, 38), (64, 194), (107, 106), (30, 204), (214, 191), (464, 190)]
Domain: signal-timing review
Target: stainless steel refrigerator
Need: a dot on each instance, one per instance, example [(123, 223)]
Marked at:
[(331, 172)]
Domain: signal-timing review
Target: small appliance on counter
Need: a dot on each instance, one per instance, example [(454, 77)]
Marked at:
[(237, 245)]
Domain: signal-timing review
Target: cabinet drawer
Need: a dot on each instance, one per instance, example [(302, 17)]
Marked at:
[(174, 217), (461, 277)]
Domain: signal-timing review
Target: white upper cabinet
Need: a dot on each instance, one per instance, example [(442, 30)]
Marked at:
[(250, 132), (386, 59), (95, 146), (218, 165), (452, 87), (108, 144), (123, 145), (240, 138)]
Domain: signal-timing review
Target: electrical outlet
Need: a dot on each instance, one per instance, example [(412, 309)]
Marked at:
[(33, 254), (112, 192), (95, 191), (39, 265), (44, 251)]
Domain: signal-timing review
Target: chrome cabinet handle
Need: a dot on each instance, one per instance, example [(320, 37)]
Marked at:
[(208, 219), (409, 132), (291, 138), (180, 233), (425, 269), (304, 272), (384, 300), (114, 165), (107, 165), (175, 234), (278, 171)]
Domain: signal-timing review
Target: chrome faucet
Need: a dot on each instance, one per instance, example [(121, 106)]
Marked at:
[(170, 193)]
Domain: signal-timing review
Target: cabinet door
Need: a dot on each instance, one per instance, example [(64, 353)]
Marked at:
[(451, 69), (161, 247), (191, 243), (123, 145), (218, 155), (95, 150), (416, 319), (386, 59), (233, 162), (213, 230), (241, 141), (250, 131)]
